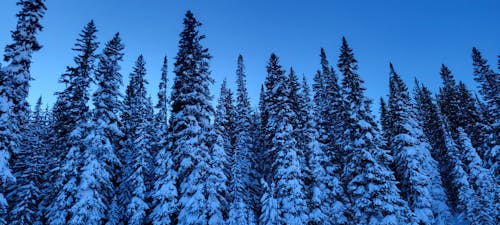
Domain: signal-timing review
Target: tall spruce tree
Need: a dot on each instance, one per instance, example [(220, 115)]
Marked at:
[(327, 201), (164, 193), (370, 184), (96, 189), (243, 179), (14, 89), (385, 121), (482, 181), (417, 171), (433, 128), (71, 115), (489, 88), (26, 194), (224, 122), (191, 130), (285, 171), (329, 110), (448, 99), (136, 152), (466, 206)]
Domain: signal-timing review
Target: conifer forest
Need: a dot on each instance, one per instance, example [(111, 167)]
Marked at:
[(311, 152)]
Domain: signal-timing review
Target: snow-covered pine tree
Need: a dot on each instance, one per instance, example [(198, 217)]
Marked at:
[(385, 122), (329, 111), (477, 129), (448, 99), (327, 204), (370, 184), (458, 106), (417, 171), (164, 193), (191, 129), (96, 189), (70, 106), (136, 149), (224, 122), (26, 195), (482, 181), (466, 205), (298, 123), (270, 213), (14, 88), (489, 88), (244, 177), (71, 115), (285, 170), (432, 126)]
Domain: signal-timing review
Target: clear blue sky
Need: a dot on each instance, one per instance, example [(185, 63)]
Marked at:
[(417, 36)]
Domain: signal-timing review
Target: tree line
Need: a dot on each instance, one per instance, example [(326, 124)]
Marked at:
[(308, 154)]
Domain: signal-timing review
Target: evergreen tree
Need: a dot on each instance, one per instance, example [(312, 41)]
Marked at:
[(327, 199), (243, 179), (270, 213), (224, 122), (136, 151), (458, 105), (164, 193), (163, 100), (432, 126), (482, 181), (71, 115), (285, 170), (466, 203), (14, 88), (200, 201), (26, 193), (448, 99), (96, 189), (416, 169), (474, 125), (371, 186), (489, 88), (71, 104), (329, 111), (385, 122)]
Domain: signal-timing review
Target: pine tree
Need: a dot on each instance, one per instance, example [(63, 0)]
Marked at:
[(71, 115), (328, 110), (482, 181), (327, 200), (416, 169), (224, 122), (26, 193), (14, 88), (164, 194), (466, 202), (270, 213), (192, 140), (96, 188), (433, 128), (136, 151), (243, 179), (474, 125), (385, 120), (489, 88), (371, 186), (448, 99), (285, 170), (163, 100)]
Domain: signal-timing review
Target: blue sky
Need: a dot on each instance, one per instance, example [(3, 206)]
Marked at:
[(416, 36)]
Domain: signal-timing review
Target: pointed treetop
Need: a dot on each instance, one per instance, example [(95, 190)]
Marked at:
[(28, 24), (347, 63)]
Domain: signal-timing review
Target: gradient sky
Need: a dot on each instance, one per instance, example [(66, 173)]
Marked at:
[(416, 36)]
